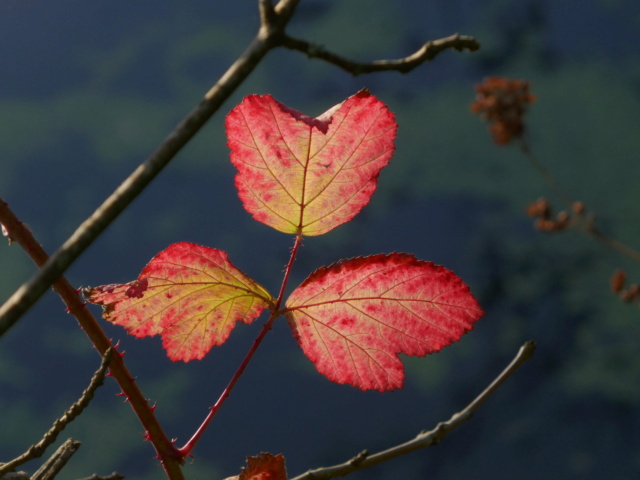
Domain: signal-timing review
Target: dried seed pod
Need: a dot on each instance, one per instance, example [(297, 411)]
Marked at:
[(578, 207), (631, 294), (617, 280), (562, 220), (539, 208)]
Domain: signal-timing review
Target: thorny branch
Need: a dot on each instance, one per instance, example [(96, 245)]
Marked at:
[(424, 439), (36, 451), (16, 231)]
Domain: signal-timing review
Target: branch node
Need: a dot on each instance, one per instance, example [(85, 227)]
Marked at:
[(359, 458)]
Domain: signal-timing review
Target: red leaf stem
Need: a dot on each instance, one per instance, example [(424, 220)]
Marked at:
[(188, 447)]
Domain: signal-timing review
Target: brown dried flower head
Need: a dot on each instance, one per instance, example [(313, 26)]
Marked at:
[(502, 103)]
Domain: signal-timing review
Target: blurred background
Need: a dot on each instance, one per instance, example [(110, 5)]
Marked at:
[(89, 89)]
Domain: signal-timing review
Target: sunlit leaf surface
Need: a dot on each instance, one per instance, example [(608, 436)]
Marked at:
[(307, 175), (189, 294), (353, 318)]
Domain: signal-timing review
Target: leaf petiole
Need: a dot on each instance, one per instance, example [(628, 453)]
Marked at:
[(275, 313)]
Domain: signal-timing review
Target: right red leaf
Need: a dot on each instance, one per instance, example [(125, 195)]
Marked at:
[(353, 318)]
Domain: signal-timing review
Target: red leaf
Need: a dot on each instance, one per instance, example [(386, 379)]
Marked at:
[(353, 318), (191, 295), (264, 467), (308, 175)]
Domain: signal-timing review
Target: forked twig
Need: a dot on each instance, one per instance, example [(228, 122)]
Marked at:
[(36, 451), (424, 439), (57, 461)]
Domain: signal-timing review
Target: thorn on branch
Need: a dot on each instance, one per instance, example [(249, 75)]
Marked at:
[(5, 233)]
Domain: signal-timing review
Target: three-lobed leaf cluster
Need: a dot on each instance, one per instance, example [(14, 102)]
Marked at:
[(303, 176)]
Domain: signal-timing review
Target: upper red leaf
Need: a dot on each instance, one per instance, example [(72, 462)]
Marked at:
[(191, 295), (307, 175), (353, 318)]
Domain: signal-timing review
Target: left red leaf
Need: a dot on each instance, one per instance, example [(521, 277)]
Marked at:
[(189, 294)]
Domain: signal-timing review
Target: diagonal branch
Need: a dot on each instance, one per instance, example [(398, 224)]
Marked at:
[(76, 409), (424, 439), (427, 52), (16, 231), (112, 476), (57, 461)]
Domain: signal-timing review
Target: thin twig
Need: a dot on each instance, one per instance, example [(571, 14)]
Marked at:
[(267, 13), (427, 52), (424, 439), (582, 222), (15, 476), (57, 461), (186, 449), (36, 451), (112, 476)]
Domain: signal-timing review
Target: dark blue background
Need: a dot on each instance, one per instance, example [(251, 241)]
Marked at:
[(88, 90)]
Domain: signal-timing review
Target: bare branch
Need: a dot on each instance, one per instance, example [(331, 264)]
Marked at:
[(57, 461), (403, 65), (285, 8), (112, 476), (38, 449), (267, 12), (424, 439), (15, 476)]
